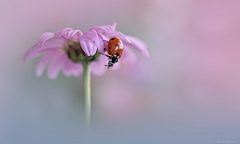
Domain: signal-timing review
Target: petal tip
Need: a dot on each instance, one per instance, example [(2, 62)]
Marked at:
[(114, 24), (146, 54), (93, 52), (23, 59), (39, 72)]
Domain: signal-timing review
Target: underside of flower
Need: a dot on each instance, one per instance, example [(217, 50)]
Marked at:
[(76, 54)]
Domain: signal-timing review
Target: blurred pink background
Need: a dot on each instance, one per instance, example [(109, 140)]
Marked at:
[(188, 91)]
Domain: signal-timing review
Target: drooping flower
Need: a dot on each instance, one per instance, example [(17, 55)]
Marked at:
[(108, 31), (62, 50)]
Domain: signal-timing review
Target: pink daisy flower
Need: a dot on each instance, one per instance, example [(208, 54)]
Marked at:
[(66, 49), (128, 57), (59, 48)]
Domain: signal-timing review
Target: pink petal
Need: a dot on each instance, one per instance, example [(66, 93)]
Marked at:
[(66, 67), (77, 69), (72, 34), (98, 68), (40, 51), (100, 44), (43, 62), (128, 56), (84, 47), (44, 37), (49, 45), (70, 68), (90, 35), (114, 25), (62, 32), (116, 66), (29, 51), (55, 65), (54, 42), (105, 38), (138, 45), (117, 34), (89, 47), (106, 28)]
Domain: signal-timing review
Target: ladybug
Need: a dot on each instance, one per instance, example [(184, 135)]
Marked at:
[(115, 50)]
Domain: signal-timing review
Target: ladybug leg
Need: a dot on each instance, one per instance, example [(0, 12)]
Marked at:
[(105, 41), (110, 64), (106, 55), (105, 49)]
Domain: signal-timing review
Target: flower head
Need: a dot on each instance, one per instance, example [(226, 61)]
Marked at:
[(68, 48)]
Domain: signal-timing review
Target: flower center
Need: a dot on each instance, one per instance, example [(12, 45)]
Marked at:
[(76, 54)]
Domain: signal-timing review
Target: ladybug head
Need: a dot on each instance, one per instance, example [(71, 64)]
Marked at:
[(113, 59)]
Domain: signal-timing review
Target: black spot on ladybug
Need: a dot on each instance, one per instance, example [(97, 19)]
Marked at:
[(116, 45), (112, 39), (117, 54), (109, 47)]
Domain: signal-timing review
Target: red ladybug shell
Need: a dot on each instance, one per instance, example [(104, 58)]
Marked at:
[(115, 46)]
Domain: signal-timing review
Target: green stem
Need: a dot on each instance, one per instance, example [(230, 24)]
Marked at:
[(87, 92)]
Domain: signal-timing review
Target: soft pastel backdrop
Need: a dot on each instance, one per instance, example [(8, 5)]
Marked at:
[(188, 91)]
